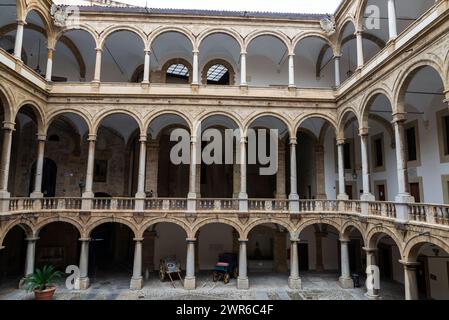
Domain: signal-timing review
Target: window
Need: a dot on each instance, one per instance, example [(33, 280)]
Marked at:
[(446, 134), (100, 170), (218, 74), (379, 155), (377, 151), (412, 154), (443, 134), (177, 73)]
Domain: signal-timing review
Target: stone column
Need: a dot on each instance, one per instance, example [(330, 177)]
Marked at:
[(37, 193), (410, 280), (8, 128), (280, 252), (30, 255), (293, 197), (152, 167), (320, 178), (19, 40), (137, 279), (291, 71), (294, 281), (48, 73), (146, 68), (341, 171), (191, 202), (84, 281), (360, 58), (195, 73), (345, 279), (367, 196), (243, 195), (190, 281), (88, 193), (242, 280), (372, 273), (97, 74), (243, 69), (141, 177), (392, 20), (280, 175), (337, 71)]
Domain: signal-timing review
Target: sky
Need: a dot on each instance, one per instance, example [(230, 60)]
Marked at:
[(294, 6)]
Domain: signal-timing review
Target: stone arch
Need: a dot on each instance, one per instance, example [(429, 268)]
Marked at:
[(176, 61), (313, 221), (325, 117), (247, 229), (312, 34), (223, 62), (24, 225), (44, 17), (99, 118), (38, 112), (114, 29), (53, 116), (216, 220), (6, 102), (414, 244), (21, 9), (342, 118), (344, 234), (230, 32), (89, 228), (361, 8), (154, 221), (147, 122), (278, 116), (161, 30), (49, 221), (370, 98), (342, 26), (227, 114), (372, 237), (279, 35), (83, 27)]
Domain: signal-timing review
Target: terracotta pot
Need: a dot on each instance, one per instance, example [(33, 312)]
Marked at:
[(46, 294)]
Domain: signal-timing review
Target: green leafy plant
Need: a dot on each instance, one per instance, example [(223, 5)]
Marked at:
[(42, 279)]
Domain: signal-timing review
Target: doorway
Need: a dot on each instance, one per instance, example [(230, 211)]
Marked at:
[(415, 191)]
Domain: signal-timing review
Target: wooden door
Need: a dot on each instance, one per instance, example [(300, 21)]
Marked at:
[(381, 192), (414, 191)]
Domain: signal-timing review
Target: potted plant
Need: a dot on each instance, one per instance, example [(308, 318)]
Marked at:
[(42, 282)]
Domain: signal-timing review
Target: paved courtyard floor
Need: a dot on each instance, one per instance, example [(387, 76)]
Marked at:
[(262, 287)]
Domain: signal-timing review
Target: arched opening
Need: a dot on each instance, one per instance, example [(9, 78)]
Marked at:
[(218, 72), (272, 53), (117, 156), (12, 257), (171, 56), (49, 175), (356, 254), (164, 177), (34, 46), (111, 253), (8, 27), (314, 65), (348, 50), (123, 53), (74, 57)]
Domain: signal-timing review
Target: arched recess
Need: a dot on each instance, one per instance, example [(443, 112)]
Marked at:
[(13, 254), (314, 65), (166, 177), (171, 55), (272, 51), (123, 52), (35, 40), (221, 52), (348, 50), (10, 13)]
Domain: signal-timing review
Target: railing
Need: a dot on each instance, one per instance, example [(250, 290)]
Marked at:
[(415, 212)]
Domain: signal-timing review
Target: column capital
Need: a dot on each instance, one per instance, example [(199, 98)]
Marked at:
[(243, 53), (295, 240), (9, 125), (399, 117), (32, 238), (293, 140), (291, 54), (344, 240), (193, 139), (99, 49), (195, 51), (92, 137), (409, 264), (363, 132), (190, 240), (85, 239), (21, 22), (358, 32), (243, 140), (243, 240), (147, 51), (143, 138), (41, 137), (369, 250), (340, 141), (337, 56), (138, 239)]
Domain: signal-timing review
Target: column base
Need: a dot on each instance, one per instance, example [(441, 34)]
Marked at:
[(404, 198), (293, 203), (294, 283), (346, 283), (190, 283), (136, 283), (242, 283), (343, 197), (372, 296), (82, 283), (36, 195), (367, 197), (243, 202)]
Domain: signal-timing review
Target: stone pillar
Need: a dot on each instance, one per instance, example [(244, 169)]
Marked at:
[(243, 69), (195, 73), (280, 252), (97, 74), (280, 175), (242, 280), (243, 195), (146, 68), (49, 70), (30, 255), (367, 196), (152, 167), (320, 178), (191, 202), (392, 20), (345, 279), (19, 40), (341, 171), (373, 277), (88, 193), (190, 281), (293, 197), (8, 128), (337, 71), (294, 281), (37, 193), (140, 204), (410, 280), (319, 235), (360, 58), (137, 279), (291, 71), (84, 281)]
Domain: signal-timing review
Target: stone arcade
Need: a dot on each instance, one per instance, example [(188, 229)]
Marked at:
[(362, 114)]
